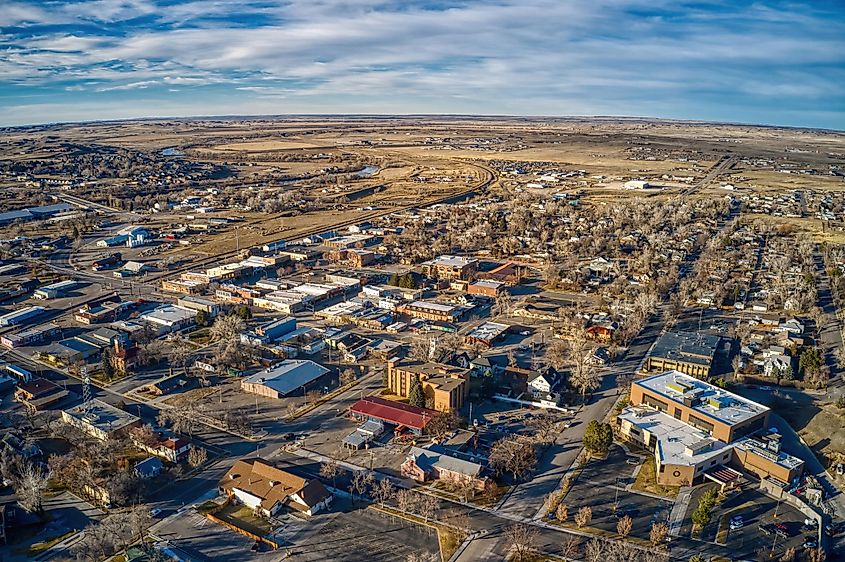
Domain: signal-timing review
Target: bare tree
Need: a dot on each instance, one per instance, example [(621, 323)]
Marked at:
[(595, 550), (624, 526), (330, 469), (347, 377), (562, 512), (570, 547), (586, 379), (197, 456), (30, 486), (658, 533), (521, 539), (383, 491), (427, 506), (442, 423), (182, 419), (406, 501), (584, 516), (513, 454), (360, 482)]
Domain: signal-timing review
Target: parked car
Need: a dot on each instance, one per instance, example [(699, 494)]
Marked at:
[(781, 530), (736, 522), (810, 543), (155, 512), (767, 528)]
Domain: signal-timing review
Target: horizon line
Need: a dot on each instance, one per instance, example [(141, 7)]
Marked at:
[(491, 116)]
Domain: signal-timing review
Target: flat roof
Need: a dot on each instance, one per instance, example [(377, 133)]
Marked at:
[(434, 306), (706, 399), (168, 314), (488, 331), (758, 447), (102, 415), (689, 347), (675, 438), (452, 261), (288, 376)]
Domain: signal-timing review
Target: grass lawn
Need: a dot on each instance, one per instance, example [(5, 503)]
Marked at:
[(40, 547), (647, 481), (242, 516), (208, 507)]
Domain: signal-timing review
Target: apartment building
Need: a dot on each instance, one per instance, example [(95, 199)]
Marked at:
[(445, 386)]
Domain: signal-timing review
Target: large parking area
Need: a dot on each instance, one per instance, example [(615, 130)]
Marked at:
[(340, 534), (757, 509), (602, 485)]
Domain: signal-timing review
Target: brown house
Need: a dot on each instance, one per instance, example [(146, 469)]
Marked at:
[(39, 394), (266, 489)]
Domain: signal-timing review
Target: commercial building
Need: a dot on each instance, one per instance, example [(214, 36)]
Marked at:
[(487, 334), (285, 378), (696, 429), (266, 489), (486, 288), (687, 352), (434, 311), (54, 290), (451, 267), (445, 386), (170, 318), (100, 419), (183, 286), (199, 305), (39, 394), (398, 414), (22, 316), (32, 336)]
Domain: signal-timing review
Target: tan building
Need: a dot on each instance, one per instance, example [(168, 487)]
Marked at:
[(451, 267), (433, 311), (445, 386), (100, 419), (687, 352), (698, 431)]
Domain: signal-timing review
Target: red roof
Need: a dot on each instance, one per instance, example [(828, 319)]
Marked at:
[(397, 413)]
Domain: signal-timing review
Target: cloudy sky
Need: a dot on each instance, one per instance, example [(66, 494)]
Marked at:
[(773, 62)]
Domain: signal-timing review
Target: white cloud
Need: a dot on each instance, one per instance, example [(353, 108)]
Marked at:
[(502, 53)]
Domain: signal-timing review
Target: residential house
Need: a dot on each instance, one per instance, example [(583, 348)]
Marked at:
[(439, 463), (149, 468), (267, 489)]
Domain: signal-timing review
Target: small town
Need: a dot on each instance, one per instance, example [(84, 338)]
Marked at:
[(391, 281)]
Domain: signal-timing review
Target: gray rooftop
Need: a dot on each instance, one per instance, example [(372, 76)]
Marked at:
[(102, 415), (288, 376), (688, 347), (707, 399)]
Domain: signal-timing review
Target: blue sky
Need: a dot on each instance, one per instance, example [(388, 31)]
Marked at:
[(772, 62)]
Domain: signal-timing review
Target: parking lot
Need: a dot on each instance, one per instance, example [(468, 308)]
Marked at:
[(339, 534), (756, 509), (602, 483)]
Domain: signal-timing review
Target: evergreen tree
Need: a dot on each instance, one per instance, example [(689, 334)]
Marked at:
[(416, 396), (598, 437), (394, 280), (108, 368)]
